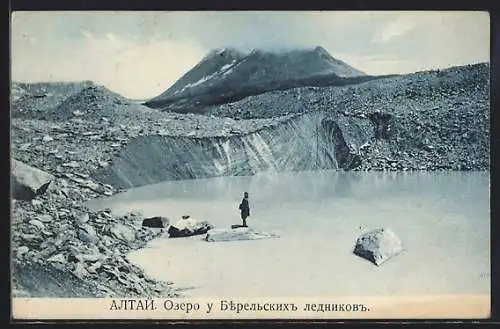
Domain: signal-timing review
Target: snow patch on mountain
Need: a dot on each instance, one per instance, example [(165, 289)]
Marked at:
[(224, 70), (199, 82)]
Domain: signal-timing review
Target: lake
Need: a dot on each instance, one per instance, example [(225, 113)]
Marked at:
[(442, 218)]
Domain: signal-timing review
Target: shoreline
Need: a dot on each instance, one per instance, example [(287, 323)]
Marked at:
[(55, 238), (75, 244)]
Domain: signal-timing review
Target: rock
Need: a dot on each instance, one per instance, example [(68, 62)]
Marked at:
[(45, 218), (378, 245), (38, 224), (47, 138), (31, 237), (47, 233), (86, 237), (89, 257), (83, 218), (94, 267), (109, 187), (188, 227), (157, 222), (59, 258), (47, 251), (82, 175), (123, 232), (25, 147), (28, 182), (108, 241), (428, 148), (71, 164), (102, 164), (91, 185), (80, 271), (22, 250), (242, 233), (159, 287), (88, 228), (36, 203)]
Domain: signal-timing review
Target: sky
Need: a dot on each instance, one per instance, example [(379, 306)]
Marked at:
[(141, 54)]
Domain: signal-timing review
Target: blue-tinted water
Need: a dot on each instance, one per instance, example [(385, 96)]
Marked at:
[(442, 218)]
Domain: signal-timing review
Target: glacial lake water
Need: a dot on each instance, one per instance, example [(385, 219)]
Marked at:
[(442, 218)]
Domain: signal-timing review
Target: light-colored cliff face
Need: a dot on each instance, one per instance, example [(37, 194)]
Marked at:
[(307, 142)]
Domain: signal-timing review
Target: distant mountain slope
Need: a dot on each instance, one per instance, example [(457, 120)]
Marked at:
[(85, 100), (227, 75), (35, 98), (96, 100), (386, 92), (16, 91)]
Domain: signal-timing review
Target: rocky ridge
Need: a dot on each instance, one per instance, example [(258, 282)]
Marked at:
[(422, 121), (437, 120), (399, 93), (59, 239), (76, 149), (35, 98)]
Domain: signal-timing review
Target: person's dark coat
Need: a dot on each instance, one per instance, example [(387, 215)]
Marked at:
[(245, 208)]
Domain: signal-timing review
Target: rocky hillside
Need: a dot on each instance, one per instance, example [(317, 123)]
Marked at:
[(435, 120), (465, 83), (96, 143), (32, 99), (64, 101), (62, 249), (228, 75), (79, 149), (423, 121)]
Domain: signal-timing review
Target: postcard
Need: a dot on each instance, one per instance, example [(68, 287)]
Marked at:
[(250, 165)]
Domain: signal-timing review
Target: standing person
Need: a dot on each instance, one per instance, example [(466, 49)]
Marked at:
[(245, 209)]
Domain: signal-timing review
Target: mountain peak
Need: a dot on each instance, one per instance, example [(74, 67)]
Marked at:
[(226, 74), (235, 53), (322, 51), (224, 53)]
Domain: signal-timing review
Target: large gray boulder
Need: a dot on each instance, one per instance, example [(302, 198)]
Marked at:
[(123, 232), (188, 227), (241, 233), (156, 222), (28, 182), (378, 245)]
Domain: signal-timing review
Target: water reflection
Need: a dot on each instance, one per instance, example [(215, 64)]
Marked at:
[(313, 185), (442, 219)]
